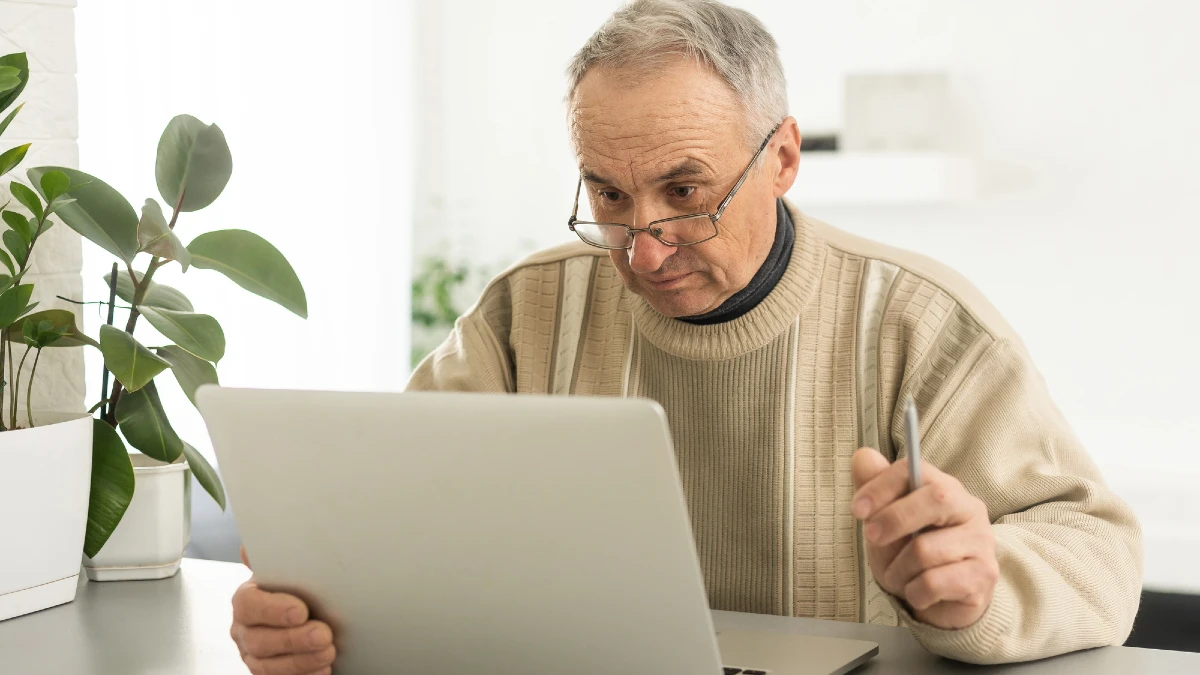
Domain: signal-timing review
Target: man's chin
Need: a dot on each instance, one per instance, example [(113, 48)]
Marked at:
[(677, 304)]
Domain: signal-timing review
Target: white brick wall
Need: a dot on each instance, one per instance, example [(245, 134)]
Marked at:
[(45, 30)]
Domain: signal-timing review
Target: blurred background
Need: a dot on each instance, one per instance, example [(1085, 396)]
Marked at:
[(400, 153)]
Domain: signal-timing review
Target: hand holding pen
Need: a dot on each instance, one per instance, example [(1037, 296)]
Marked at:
[(929, 541)]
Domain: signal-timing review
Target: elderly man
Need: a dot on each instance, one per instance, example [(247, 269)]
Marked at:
[(779, 347)]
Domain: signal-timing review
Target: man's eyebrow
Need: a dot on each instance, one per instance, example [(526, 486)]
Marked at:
[(593, 177), (685, 169)]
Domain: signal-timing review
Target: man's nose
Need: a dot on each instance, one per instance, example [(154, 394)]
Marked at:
[(648, 253)]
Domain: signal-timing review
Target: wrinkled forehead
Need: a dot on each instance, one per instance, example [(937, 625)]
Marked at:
[(627, 126)]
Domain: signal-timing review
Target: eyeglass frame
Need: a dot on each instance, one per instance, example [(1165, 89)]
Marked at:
[(649, 229)]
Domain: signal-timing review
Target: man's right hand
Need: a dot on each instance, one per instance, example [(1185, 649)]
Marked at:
[(276, 637)]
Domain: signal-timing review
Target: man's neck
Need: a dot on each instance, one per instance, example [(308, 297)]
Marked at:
[(764, 280)]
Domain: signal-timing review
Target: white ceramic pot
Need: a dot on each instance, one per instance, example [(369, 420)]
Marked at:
[(149, 541), (44, 487)]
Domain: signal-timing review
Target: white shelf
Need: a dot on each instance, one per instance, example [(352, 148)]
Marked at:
[(865, 179)]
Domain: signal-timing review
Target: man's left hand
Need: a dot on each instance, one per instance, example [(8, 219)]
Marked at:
[(948, 572)]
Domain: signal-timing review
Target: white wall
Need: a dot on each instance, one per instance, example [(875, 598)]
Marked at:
[(45, 30), (313, 98), (1082, 115)]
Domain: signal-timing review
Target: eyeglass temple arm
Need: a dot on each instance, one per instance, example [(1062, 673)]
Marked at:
[(575, 208), (745, 175)]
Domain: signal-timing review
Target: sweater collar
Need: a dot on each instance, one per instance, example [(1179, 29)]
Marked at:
[(752, 330)]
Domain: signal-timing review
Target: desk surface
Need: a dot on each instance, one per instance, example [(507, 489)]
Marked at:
[(180, 626)]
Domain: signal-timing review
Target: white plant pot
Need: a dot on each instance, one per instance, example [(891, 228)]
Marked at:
[(44, 487), (149, 541)]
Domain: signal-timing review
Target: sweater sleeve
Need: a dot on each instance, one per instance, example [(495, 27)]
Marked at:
[(1069, 549), (473, 358)]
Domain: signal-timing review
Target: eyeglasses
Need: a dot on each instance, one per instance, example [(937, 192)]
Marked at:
[(686, 230)]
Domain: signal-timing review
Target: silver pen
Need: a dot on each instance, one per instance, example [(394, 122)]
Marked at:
[(914, 447)]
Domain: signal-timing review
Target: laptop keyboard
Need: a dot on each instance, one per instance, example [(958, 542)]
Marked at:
[(729, 670)]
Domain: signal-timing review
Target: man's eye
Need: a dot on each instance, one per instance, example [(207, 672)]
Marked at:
[(610, 196), (684, 191)]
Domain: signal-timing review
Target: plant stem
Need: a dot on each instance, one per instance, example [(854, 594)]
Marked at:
[(139, 294), (112, 300), (97, 407), (29, 394), (17, 386), (4, 386), (175, 215), (11, 371)]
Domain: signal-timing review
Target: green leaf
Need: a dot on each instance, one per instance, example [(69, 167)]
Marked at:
[(189, 370), (8, 262), (16, 246), (54, 184), (141, 418), (199, 334), (19, 223), (13, 303), (130, 362), (99, 212), (157, 238), (27, 197), (62, 320), (40, 335), (46, 224), (21, 63), (12, 157), (5, 282), (157, 295), (8, 120), (10, 78), (193, 163), (252, 263), (112, 487), (205, 474), (55, 205)]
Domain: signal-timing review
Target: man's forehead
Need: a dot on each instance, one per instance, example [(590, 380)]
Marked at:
[(653, 123)]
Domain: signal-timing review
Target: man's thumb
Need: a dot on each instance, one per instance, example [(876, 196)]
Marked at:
[(866, 464)]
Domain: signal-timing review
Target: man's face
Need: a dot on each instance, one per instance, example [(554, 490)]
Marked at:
[(669, 144)]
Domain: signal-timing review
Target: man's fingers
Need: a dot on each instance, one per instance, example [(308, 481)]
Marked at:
[(262, 642), (292, 664), (865, 465), (970, 580), (887, 483), (933, 549), (942, 503), (253, 606)]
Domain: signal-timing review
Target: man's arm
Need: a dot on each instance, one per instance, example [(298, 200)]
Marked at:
[(1068, 549), (473, 357)]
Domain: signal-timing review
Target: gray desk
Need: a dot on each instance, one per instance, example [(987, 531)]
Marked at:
[(180, 626)]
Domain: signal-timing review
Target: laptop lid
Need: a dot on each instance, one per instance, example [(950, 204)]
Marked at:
[(467, 533)]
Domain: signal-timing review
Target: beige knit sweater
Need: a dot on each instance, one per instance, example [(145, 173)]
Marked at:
[(766, 411)]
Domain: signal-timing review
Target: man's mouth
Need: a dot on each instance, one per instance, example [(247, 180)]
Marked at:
[(667, 283)]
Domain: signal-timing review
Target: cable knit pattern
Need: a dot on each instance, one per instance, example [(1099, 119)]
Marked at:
[(767, 409)]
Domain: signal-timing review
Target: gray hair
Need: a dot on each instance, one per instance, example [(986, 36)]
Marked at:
[(731, 41)]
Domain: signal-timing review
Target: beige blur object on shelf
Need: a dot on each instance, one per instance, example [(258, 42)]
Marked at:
[(902, 112)]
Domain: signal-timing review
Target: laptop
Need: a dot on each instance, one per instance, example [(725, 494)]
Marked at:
[(472, 533)]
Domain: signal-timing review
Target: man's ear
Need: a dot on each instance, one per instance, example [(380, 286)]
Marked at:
[(786, 147)]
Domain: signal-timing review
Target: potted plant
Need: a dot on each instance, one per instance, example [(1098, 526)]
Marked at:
[(192, 168), (47, 457), (137, 510)]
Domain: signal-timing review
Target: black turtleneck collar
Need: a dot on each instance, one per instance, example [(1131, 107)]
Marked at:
[(764, 279)]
